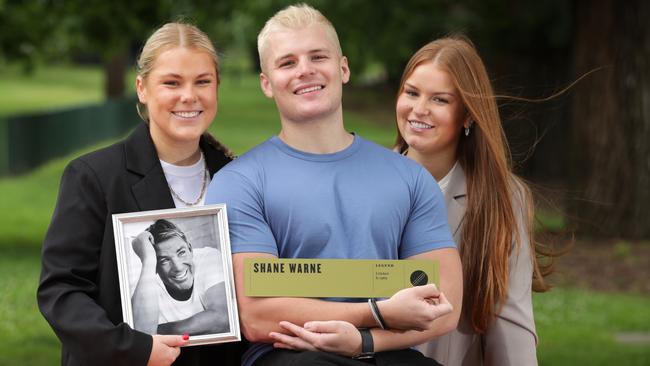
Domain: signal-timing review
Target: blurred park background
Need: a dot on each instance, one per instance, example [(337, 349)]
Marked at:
[(66, 87)]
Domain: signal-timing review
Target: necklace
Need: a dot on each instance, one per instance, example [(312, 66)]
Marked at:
[(203, 187)]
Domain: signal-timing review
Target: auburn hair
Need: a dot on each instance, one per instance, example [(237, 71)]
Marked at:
[(490, 226)]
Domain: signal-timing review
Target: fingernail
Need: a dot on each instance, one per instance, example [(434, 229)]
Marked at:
[(186, 336)]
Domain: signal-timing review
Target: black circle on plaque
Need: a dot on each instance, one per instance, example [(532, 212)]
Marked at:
[(419, 278)]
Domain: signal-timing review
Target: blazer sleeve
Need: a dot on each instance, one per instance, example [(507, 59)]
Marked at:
[(69, 287), (512, 339)]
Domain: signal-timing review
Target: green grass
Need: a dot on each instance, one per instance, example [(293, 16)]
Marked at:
[(28, 339), (48, 88), (578, 327), (575, 326)]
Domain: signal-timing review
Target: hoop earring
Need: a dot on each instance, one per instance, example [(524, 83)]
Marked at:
[(142, 111)]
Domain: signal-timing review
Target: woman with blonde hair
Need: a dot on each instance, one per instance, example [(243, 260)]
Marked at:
[(167, 162), (448, 121)]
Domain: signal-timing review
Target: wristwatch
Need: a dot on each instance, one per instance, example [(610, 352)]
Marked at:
[(367, 345)]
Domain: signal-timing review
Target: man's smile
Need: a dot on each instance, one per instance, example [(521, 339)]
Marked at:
[(308, 89)]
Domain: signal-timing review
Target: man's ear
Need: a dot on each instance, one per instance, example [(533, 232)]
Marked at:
[(265, 84), (345, 70), (141, 90)]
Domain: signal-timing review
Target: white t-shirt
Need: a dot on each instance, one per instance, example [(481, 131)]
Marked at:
[(186, 181), (207, 273)]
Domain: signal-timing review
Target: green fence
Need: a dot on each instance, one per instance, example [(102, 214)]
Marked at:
[(28, 141)]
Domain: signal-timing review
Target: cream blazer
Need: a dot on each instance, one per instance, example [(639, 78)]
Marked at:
[(511, 339)]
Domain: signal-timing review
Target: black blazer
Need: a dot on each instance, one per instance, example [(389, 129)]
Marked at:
[(79, 292)]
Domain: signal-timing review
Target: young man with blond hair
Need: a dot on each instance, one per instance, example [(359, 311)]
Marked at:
[(317, 191)]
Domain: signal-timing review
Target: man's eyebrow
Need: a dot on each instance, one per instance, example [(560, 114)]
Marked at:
[(205, 74), (320, 50), (290, 55), (283, 57)]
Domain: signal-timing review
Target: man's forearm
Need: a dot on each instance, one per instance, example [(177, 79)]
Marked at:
[(145, 301), (260, 316)]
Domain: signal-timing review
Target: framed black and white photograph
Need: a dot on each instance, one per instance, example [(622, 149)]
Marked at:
[(176, 274)]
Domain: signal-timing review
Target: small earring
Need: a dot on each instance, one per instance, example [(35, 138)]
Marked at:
[(468, 127)]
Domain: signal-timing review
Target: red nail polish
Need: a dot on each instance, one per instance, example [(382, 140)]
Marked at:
[(186, 336)]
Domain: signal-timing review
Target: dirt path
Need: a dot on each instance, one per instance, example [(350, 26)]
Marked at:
[(611, 266)]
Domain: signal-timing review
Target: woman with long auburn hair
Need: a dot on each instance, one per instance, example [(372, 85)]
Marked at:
[(448, 121)]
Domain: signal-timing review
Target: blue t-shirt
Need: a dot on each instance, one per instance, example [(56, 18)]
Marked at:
[(364, 202)]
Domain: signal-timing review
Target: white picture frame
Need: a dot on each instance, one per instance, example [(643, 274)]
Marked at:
[(200, 257)]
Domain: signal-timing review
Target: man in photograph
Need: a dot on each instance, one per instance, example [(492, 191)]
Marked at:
[(318, 191), (179, 291)]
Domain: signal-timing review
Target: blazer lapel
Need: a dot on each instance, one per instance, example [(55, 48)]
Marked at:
[(214, 158), (151, 192), (456, 200)]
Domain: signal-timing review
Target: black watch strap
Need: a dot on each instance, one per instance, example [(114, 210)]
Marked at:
[(367, 344)]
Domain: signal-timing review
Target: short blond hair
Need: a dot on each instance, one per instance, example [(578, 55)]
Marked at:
[(297, 16), (168, 36)]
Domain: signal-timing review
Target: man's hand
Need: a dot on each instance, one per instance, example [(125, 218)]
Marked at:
[(165, 349), (414, 308), (328, 336), (145, 294), (143, 247)]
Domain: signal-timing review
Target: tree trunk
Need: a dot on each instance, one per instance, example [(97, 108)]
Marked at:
[(610, 132), (114, 74)]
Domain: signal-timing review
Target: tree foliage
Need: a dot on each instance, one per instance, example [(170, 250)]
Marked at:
[(370, 34), (528, 47), (108, 31), (24, 28)]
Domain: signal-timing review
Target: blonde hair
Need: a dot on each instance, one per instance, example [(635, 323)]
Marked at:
[(297, 16), (169, 36), (493, 192)]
